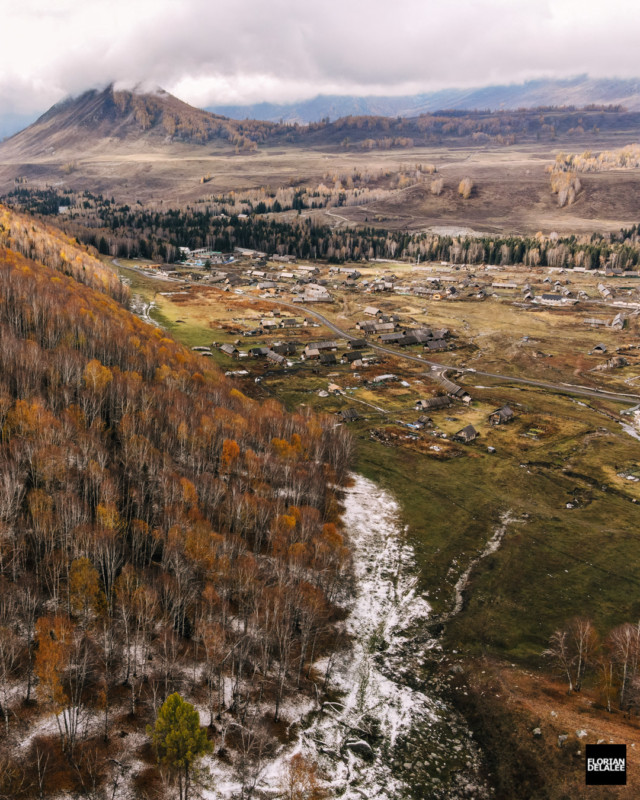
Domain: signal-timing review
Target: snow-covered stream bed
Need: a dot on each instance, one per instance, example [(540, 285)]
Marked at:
[(387, 736)]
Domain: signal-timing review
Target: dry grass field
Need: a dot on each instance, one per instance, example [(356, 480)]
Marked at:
[(511, 188)]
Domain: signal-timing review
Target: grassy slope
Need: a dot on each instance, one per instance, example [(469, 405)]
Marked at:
[(554, 564)]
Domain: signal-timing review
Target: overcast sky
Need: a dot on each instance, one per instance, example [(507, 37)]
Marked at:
[(211, 52)]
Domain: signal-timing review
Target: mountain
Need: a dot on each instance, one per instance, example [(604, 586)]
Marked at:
[(109, 118), (580, 91)]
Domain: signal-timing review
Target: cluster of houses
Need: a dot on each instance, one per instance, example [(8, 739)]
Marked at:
[(390, 331), (281, 274), (281, 353)]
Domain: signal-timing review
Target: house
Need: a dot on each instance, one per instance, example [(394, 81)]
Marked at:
[(229, 350), (501, 416), (604, 291), (422, 334), (407, 341), (391, 338), (600, 348), (441, 333), (453, 390), (326, 345), (349, 415), (349, 358), (310, 352), (551, 299), (436, 345), (328, 359), (424, 422), (315, 296), (284, 348), (276, 357), (357, 344), (466, 435), (258, 352), (366, 327), (618, 322), (385, 327), (433, 403), (372, 311)]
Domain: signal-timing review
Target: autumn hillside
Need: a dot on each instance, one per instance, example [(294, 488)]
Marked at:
[(52, 248), (159, 532)]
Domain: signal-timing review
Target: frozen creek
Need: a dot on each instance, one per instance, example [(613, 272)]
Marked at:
[(387, 737)]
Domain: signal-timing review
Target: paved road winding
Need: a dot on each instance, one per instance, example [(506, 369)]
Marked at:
[(563, 388)]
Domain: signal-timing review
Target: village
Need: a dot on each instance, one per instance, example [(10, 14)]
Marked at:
[(415, 355)]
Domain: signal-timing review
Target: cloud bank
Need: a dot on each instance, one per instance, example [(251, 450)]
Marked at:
[(209, 52)]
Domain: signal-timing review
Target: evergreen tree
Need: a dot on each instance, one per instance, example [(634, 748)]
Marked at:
[(179, 740)]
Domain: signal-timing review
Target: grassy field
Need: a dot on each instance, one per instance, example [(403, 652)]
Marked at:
[(555, 562)]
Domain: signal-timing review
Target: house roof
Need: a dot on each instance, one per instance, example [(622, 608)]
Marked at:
[(467, 433), (435, 402), (505, 412)]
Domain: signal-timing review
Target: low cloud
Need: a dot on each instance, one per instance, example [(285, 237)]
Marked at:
[(283, 50)]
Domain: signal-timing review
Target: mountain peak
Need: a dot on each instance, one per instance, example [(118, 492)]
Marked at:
[(117, 113)]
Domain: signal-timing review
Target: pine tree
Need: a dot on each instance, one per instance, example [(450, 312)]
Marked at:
[(179, 740)]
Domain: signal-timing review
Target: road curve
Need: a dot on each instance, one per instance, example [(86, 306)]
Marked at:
[(582, 391), (561, 388)]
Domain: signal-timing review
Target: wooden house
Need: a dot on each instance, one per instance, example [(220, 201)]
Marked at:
[(466, 435), (433, 403), (501, 415)]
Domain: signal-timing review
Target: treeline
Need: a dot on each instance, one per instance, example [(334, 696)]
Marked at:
[(627, 157), (159, 532), (121, 230), (498, 127), (610, 663)]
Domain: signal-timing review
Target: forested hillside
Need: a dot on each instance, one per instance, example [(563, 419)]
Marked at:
[(159, 532)]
